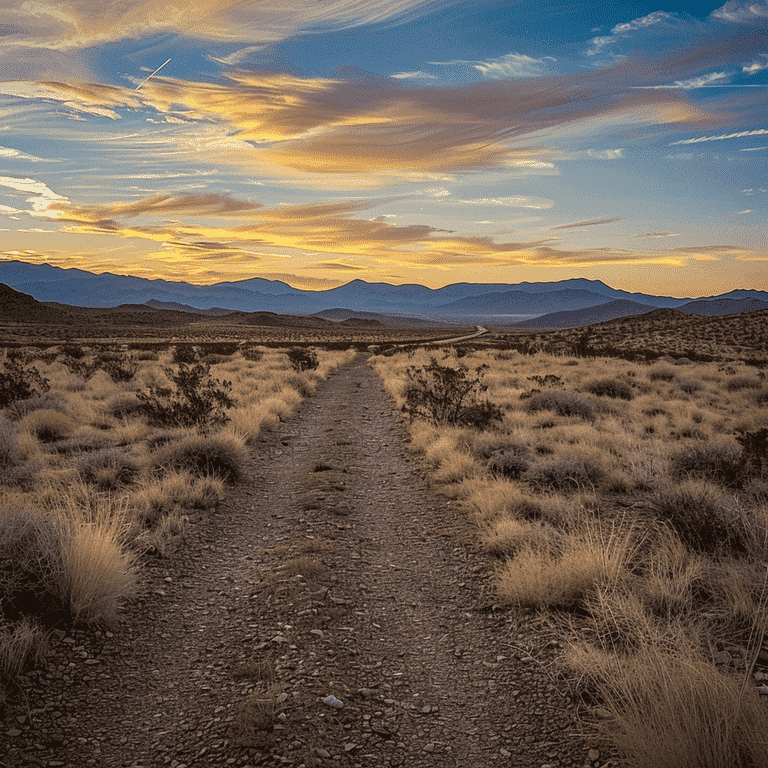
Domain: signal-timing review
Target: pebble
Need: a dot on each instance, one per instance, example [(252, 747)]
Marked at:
[(332, 701)]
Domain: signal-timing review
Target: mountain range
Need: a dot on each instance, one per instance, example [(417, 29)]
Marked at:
[(565, 303)]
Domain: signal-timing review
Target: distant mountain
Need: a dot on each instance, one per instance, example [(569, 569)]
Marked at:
[(523, 303), (458, 303), (723, 306), (580, 317), (339, 314), (214, 311)]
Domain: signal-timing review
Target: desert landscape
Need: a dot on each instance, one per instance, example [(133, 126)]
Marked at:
[(293, 545)]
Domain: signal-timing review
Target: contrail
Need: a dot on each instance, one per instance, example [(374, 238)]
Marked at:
[(152, 75)]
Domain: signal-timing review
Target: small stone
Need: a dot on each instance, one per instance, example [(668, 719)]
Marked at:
[(349, 746), (426, 710), (322, 753), (593, 755), (279, 639), (430, 748), (332, 701), (505, 752), (13, 732)]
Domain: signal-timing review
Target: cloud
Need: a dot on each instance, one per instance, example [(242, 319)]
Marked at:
[(419, 75), (594, 154), (723, 137), (512, 65), (66, 25), (42, 197), (15, 154), (518, 201), (592, 223), (702, 81), (756, 66), (620, 30), (658, 234), (736, 12)]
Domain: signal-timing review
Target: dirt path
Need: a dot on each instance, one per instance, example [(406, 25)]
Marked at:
[(332, 571)]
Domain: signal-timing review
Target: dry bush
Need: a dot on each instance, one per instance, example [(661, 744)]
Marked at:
[(21, 645), (689, 386), (109, 469), (222, 456), (9, 442), (675, 709), (508, 535), (720, 462), (123, 405), (98, 571), (49, 401), (562, 403), (566, 475), (511, 461), (661, 373), (614, 388), (48, 426), (704, 518), (30, 565), (560, 577), (738, 383)]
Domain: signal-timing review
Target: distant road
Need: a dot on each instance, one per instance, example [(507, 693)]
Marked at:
[(479, 332)]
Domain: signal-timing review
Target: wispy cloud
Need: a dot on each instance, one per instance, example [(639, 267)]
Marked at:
[(592, 223), (723, 137), (418, 75), (658, 234), (626, 28), (75, 24), (737, 12)]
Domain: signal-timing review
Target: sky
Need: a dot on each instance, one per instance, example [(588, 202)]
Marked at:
[(402, 141)]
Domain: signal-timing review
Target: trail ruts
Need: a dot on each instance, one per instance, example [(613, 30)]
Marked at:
[(331, 571)]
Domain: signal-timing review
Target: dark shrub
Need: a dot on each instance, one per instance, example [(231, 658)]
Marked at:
[(49, 401), (738, 383), (303, 359), (701, 517), (214, 455), (565, 475), (719, 462), (184, 354), (9, 440), (610, 388), (123, 405), (118, 368), (223, 348), (19, 383), (511, 462), (689, 386), (562, 403), (49, 426), (198, 399), (109, 468), (30, 565), (82, 444), (446, 395), (661, 374), (754, 447), (252, 354)]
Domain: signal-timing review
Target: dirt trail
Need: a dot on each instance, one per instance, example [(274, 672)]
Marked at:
[(332, 571)]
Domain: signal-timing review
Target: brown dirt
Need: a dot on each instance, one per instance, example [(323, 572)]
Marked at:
[(332, 570)]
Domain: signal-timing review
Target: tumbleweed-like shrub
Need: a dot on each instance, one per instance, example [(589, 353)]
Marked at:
[(563, 403), (614, 388), (222, 456)]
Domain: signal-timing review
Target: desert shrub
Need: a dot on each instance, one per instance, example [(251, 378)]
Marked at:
[(223, 348), (9, 441), (19, 383), (737, 383), (48, 426), (720, 462), (754, 448), (674, 710), (184, 354), (662, 373), (144, 355), (446, 395), (562, 403), (197, 400), (610, 388), (761, 397), (21, 644), (108, 469), (565, 475), (30, 565), (303, 359), (701, 516), (122, 405), (118, 368), (689, 386), (221, 456), (49, 401), (252, 353), (510, 462)]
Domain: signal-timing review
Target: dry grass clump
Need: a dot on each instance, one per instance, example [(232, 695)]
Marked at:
[(566, 475), (109, 469), (661, 373), (738, 383), (674, 709), (21, 645), (219, 455), (48, 425), (31, 565), (563, 403), (614, 388), (716, 461)]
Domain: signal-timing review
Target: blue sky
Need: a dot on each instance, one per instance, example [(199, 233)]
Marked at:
[(420, 141)]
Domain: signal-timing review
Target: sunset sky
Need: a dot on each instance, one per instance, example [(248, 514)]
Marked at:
[(425, 141)]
